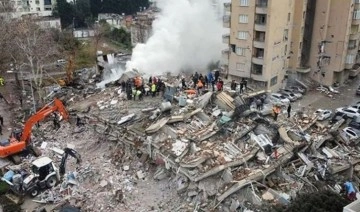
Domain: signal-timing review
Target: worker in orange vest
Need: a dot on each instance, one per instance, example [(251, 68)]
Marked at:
[(199, 86)]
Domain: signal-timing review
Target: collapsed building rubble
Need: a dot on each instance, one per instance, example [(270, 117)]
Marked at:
[(218, 152)]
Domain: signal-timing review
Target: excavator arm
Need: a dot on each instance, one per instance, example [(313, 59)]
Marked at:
[(67, 152), (55, 105)]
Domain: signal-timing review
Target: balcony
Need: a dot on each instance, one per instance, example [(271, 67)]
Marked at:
[(356, 6), (226, 38), (225, 53), (259, 43), (226, 21), (261, 27), (261, 10), (258, 60), (354, 36), (303, 70), (352, 49), (355, 21), (227, 7)]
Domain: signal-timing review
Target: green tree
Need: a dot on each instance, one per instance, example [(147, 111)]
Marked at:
[(65, 11)]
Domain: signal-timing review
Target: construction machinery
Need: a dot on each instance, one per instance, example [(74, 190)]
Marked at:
[(21, 140), (69, 72), (44, 175)]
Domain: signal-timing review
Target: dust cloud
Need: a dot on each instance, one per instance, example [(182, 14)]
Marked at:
[(186, 35)]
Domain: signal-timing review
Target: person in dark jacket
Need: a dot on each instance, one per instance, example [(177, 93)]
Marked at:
[(233, 85), (289, 110), (217, 75)]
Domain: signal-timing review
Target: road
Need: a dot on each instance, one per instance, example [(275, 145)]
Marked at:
[(316, 100)]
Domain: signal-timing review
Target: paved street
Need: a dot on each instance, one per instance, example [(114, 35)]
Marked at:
[(316, 100)]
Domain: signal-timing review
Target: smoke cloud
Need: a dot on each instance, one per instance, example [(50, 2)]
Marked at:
[(186, 35)]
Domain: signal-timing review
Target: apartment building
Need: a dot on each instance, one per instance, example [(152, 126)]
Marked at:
[(271, 40), (335, 41), (259, 39)]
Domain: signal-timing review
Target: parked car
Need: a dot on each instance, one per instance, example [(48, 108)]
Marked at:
[(350, 112), (290, 91), (351, 133), (357, 106), (289, 96), (297, 89), (358, 91), (337, 117), (355, 123), (60, 62), (277, 98), (323, 114)]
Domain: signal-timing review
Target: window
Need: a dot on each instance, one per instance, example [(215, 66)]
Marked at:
[(256, 69), (357, 1), (240, 51), (273, 81), (240, 67), (289, 17), (243, 19), (350, 58), (38, 9), (37, 2), (242, 35), (356, 14), (244, 3), (352, 44), (354, 29)]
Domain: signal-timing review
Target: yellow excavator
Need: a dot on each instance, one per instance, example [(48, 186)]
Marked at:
[(69, 72)]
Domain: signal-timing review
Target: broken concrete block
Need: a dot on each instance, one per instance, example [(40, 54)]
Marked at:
[(268, 196), (192, 193), (140, 174), (234, 205), (227, 175), (103, 183), (126, 168)]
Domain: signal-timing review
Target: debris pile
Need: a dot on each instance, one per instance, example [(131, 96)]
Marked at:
[(198, 152)]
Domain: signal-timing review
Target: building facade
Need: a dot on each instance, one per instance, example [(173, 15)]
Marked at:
[(259, 39), (40, 7), (271, 39)]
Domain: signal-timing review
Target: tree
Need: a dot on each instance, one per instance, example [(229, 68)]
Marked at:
[(65, 11), (34, 47)]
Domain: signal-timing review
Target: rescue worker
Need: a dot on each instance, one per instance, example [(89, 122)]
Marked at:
[(183, 83), (211, 80), (199, 86), (153, 89), (276, 111), (258, 104), (217, 75), (289, 110), (233, 85), (56, 122), (2, 81)]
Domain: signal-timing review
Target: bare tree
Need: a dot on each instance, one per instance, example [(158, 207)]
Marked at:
[(34, 47)]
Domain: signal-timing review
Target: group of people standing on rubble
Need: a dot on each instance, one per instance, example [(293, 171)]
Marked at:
[(243, 85), (204, 81), (135, 87)]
